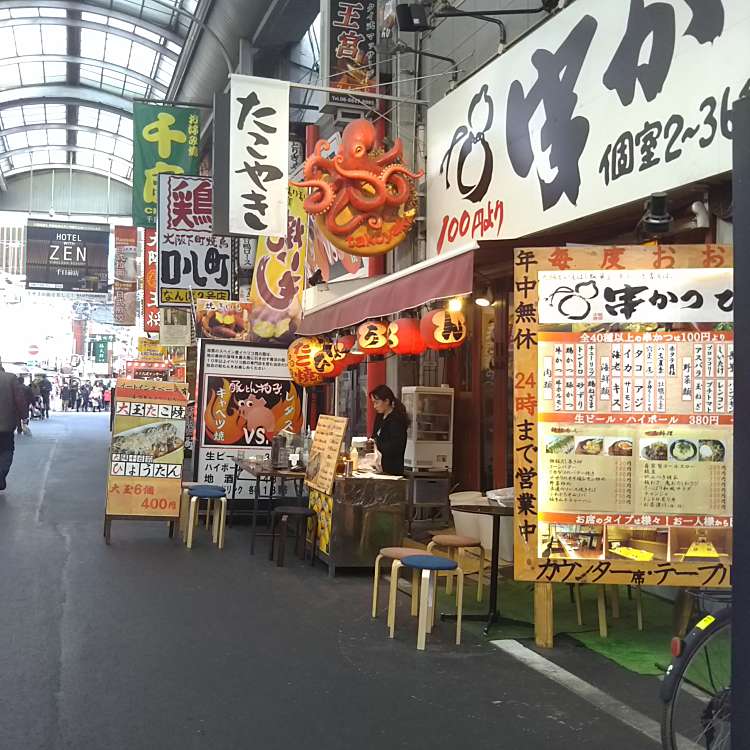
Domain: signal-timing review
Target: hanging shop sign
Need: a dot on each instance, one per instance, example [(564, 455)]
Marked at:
[(349, 59), (250, 159), (624, 400), (246, 396), (165, 141), (223, 320), (324, 453), (443, 329), (372, 337), (363, 200), (125, 287), (176, 329), (150, 350), (66, 256), (145, 466), (146, 369), (100, 349), (193, 262), (278, 277), (150, 281), (405, 337), (601, 105), (322, 255)]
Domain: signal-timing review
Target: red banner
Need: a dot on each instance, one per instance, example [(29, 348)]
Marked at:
[(150, 299)]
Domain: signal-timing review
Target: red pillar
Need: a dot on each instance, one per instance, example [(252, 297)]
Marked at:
[(312, 133), (376, 370)]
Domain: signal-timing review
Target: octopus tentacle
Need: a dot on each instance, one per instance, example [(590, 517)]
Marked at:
[(390, 156), (350, 226), (357, 197), (322, 197), (392, 177)]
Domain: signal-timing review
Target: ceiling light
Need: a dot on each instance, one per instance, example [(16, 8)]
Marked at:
[(485, 299)]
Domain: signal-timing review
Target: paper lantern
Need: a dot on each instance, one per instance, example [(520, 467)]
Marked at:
[(330, 361), (345, 344), (372, 337), (300, 355), (405, 337), (442, 329)]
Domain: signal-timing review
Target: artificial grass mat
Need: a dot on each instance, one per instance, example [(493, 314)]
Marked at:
[(644, 652)]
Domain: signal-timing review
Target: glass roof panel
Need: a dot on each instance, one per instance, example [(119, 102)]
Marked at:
[(22, 41)]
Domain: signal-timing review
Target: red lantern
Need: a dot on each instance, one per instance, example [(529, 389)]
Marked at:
[(300, 355), (345, 345), (405, 337), (332, 359), (372, 337), (442, 329)]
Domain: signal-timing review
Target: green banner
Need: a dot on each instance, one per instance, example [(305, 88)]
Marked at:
[(101, 349), (165, 141)]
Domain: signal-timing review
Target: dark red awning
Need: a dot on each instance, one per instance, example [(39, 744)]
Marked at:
[(437, 278)]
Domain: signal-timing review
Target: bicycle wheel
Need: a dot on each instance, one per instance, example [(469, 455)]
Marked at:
[(697, 689)]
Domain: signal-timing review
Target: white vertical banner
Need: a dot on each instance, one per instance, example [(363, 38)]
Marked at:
[(258, 156)]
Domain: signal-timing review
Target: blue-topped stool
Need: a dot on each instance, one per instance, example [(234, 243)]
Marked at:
[(429, 566), (211, 493)]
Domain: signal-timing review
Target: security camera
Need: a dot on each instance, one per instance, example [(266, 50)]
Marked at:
[(657, 219)]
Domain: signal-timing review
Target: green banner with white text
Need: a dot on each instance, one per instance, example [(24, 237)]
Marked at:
[(165, 141)]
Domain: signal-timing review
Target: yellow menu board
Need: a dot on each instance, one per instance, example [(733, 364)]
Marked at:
[(624, 399), (324, 453), (146, 455)]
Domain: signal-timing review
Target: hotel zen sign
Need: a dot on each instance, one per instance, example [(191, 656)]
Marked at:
[(603, 104)]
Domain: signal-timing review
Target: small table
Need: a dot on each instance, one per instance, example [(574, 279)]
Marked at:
[(497, 512), (263, 472)]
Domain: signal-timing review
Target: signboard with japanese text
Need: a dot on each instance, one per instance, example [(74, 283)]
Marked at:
[(349, 57), (251, 159), (150, 281), (150, 350), (145, 463), (66, 256), (193, 262), (246, 396), (125, 286), (601, 105), (226, 321), (324, 453), (624, 399), (165, 141), (147, 370), (176, 328), (278, 277)]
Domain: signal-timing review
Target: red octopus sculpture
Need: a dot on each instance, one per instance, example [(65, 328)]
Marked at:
[(363, 199)]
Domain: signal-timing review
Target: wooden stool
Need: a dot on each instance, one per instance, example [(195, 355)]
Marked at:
[(394, 553), (456, 544), (210, 493), (430, 566), (300, 513), (612, 592)]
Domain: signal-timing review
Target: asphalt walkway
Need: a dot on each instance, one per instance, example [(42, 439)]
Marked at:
[(145, 644)]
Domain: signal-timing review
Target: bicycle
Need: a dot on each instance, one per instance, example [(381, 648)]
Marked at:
[(697, 687)]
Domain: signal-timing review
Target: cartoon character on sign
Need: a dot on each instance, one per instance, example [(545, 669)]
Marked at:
[(260, 422), (363, 200)]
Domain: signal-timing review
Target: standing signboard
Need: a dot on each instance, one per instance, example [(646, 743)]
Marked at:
[(324, 453), (165, 141), (349, 50), (245, 397), (193, 262), (250, 158), (146, 455), (278, 278), (150, 282), (602, 104), (66, 256), (125, 285), (624, 398)]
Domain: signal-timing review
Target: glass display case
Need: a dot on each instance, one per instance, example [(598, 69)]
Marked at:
[(429, 444)]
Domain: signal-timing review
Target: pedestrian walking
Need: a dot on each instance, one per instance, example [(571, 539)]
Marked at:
[(45, 390), (65, 396), (13, 410)]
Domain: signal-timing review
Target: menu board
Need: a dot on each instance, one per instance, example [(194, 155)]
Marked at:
[(146, 455), (246, 396), (324, 453), (624, 399)]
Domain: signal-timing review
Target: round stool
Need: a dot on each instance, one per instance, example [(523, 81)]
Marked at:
[(430, 566), (300, 514), (394, 553), (209, 493), (456, 544)]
